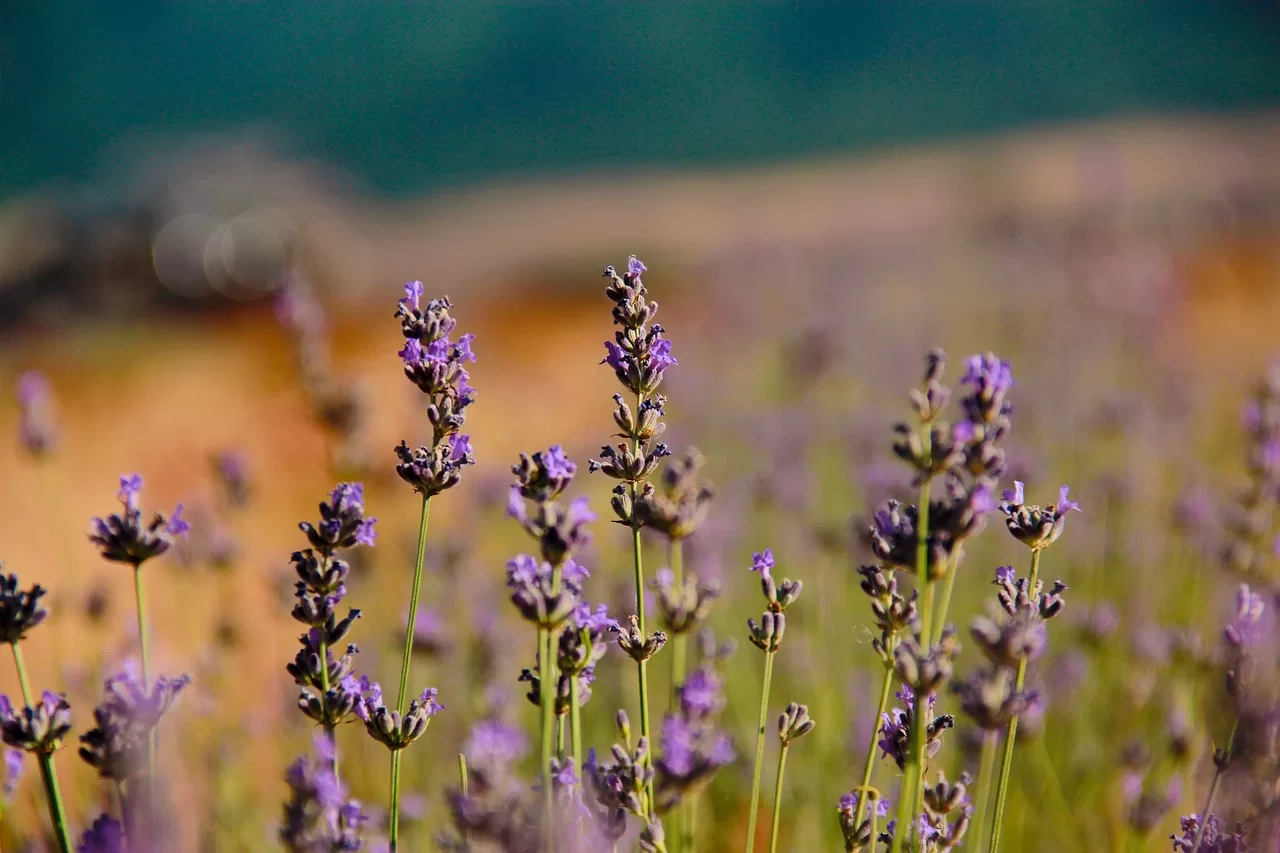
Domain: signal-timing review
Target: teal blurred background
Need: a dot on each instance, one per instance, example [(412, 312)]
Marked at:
[(412, 96)]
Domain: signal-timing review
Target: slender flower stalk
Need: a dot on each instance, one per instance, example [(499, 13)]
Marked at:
[(1023, 600), (777, 798), (407, 657), (123, 538), (49, 775), (758, 764), (638, 355), (678, 641), (767, 637), (986, 769), (794, 723), (546, 702), (886, 687)]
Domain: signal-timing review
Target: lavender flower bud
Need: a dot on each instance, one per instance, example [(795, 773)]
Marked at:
[(543, 476), (924, 671), (990, 699), (794, 723), (38, 729), (1017, 596), (123, 538), (637, 646), (648, 425), (20, 610), (942, 797), (681, 506), (767, 634), (683, 608), (544, 595), (627, 464), (857, 836), (12, 767), (389, 728), (1032, 526), (895, 730), (1019, 638)]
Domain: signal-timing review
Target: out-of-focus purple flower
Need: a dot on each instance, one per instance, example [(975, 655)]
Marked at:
[(597, 622), (318, 816), (177, 525), (702, 693), (558, 465), (1214, 840), (231, 468), (1245, 628), (635, 267), (37, 424), (12, 773), (106, 835)]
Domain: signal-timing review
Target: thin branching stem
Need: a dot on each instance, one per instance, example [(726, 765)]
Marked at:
[(1213, 788), (777, 798), (761, 725), (1010, 736), (885, 687)]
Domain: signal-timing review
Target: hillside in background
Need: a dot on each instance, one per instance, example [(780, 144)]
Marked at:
[(413, 96)]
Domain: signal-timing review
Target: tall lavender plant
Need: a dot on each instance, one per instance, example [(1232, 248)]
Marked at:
[(433, 362), (639, 356), (1027, 605), (766, 635), (38, 727), (123, 538)]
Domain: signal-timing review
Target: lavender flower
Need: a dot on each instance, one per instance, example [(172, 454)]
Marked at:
[(39, 729), (125, 721), (1035, 527), (20, 610), (106, 835), (389, 728), (37, 420), (990, 699), (681, 506), (683, 607), (231, 468), (318, 817), (895, 730), (857, 834), (434, 363), (122, 538), (1214, 839)]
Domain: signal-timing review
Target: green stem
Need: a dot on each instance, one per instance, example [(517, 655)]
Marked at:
[(777, 798), (394, 815), (405, 661), (679, 649), (986, 766), (948, 584), (562, 741), (21, 666), (641, 666), (139, 592), (757, 767), (575, 722), (1006, 760), (466, 790), (885, 687), (56, 812), (913, 773), (546, 704), (324, 704), (1213, 788), (689, 824)]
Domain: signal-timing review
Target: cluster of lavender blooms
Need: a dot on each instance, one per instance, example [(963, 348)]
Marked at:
[(647, 785), (434, 363), (330, 692)]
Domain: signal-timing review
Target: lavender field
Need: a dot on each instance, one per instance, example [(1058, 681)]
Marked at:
[(296, 572)]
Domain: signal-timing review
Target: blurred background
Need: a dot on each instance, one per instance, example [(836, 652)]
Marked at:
[(208, 210)]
